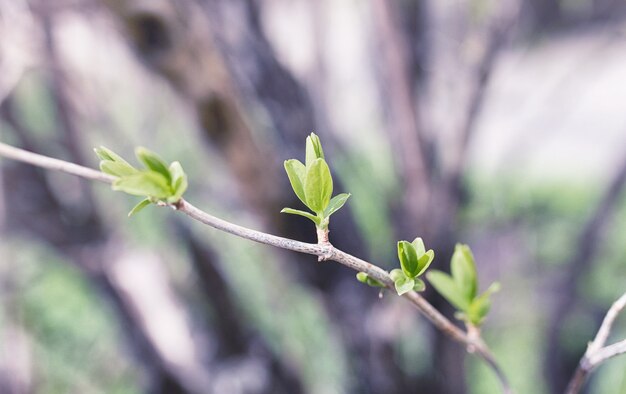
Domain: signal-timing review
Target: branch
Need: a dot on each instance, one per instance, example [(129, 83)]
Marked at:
[(589, 241), (325, 251), (53, 164), (596, 352)]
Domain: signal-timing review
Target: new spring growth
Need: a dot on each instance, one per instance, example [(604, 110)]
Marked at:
[(157, 181), (313, 185), (461, 287), (414, 261)]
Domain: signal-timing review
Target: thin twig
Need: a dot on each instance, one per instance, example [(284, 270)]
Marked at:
[(325, 251), (589, 242), (50, 163), (597, 352)]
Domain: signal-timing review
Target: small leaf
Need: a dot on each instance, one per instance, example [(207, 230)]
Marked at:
[(362, 277), (424, 262), (396, 274), (418, 244), (307, 215), (117, 168), (336, 203), (103, 153), (144, 183), (446, 286), (153, 162), (408, 258), (463, 271), (419, 285), (179, 181), (404, 284), (108, 155), (318, 186), (365, 278), (176, 171), (296, 171), (313, 149), (141, 205), (478, 309)]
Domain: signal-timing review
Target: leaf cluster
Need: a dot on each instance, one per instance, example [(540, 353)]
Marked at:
[(157, 181), (461, 287), (414, 261), (313, 184)]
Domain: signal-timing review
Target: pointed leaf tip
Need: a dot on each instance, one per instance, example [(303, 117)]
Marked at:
[(141, 205), (336, 203), (307, 215), (313, 149), (418, 244)]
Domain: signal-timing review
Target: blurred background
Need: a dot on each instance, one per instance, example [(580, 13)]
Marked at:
[(497, 123)]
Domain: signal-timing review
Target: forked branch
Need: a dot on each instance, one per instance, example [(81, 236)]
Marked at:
[(597, 352), (325, 251)]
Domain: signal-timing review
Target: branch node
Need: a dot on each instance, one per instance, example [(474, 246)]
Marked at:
[(327, 253)]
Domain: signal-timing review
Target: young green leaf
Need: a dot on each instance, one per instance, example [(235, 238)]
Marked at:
[(336, 203), (296, 171), (153, 162), (404, 284), (408, 259), (424, 261), (117, 168), (307, 215), (396, 274), (365, 278), (179, 181), (478, 309), (318, 185), (446, 286), (103, 153), (176, 171), (463, 271), (313, 149), (144, 183), (107, 154), (493, 288), (141, 205), (418, 244), (419, 285)]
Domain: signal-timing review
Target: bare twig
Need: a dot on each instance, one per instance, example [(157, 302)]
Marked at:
[(589, 242), (53, 164), (325, 251), (597, 352)]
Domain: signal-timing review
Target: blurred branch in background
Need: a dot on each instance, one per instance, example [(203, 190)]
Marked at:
[(597, 352), (558, 362), (17, 25)]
